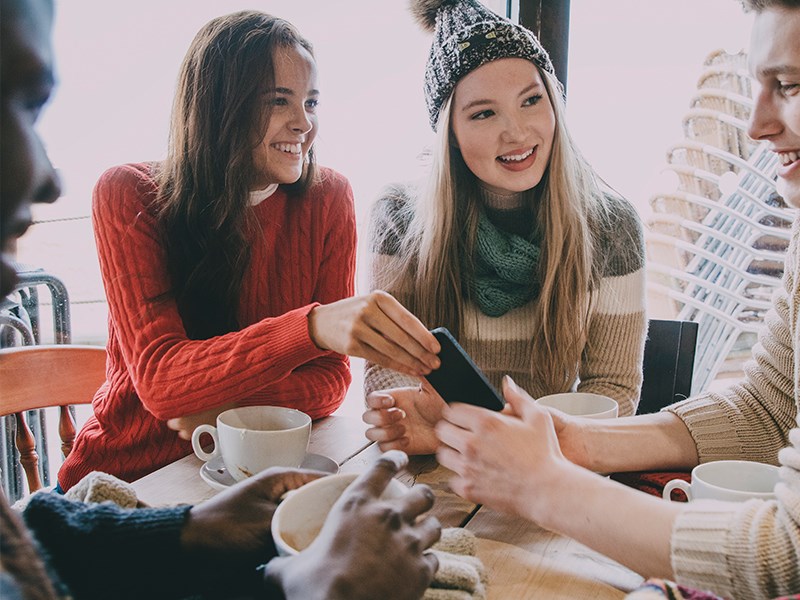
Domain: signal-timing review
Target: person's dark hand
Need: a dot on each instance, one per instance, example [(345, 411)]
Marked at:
[(368, 548), (237, 522)]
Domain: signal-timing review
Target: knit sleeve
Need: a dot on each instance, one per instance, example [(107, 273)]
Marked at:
[(751, 420), (388, 227), (104, 551), (611, 363), (750, 550), (318, 387), (172, 374), (744, 550)]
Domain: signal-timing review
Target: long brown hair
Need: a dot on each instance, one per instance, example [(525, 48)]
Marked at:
[(442, 231), (218, 116)]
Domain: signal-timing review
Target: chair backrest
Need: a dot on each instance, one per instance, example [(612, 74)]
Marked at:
[(34, 377), (668, 363), (717, 242)]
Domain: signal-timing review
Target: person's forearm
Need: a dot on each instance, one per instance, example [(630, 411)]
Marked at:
[(647, 442), (626, 525)]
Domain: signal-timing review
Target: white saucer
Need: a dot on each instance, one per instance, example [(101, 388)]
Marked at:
[(216, 475)]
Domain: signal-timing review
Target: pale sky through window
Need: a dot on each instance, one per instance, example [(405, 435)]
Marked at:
[(633, 67)]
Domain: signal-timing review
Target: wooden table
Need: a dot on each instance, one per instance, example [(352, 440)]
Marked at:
[(522, 559)]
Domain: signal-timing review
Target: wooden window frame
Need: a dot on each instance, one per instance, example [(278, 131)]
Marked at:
[(549, 20)]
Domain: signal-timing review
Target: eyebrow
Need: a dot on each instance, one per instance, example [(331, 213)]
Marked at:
[(480, 102), (778, 70), (290, 92)]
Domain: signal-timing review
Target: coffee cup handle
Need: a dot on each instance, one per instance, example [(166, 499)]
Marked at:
[(198, 449), (677, 484)]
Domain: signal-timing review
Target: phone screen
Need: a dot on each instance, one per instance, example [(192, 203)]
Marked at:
[(459, 379)]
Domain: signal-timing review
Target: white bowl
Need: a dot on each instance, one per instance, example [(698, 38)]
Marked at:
[(299, 517), (582, 404)]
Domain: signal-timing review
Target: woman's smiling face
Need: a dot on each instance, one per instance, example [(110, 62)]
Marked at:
[(504, 123), (292, 127)]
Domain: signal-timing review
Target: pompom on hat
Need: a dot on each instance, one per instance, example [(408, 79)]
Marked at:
[(466, 35)]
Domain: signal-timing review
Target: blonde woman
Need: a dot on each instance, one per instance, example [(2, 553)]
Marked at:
[(513, 244)]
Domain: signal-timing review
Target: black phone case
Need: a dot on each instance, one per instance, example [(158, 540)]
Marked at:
[(459, 379)]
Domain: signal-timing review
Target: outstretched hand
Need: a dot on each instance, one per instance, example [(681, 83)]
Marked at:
[(368, 548), (404, 418), (237, 522), (378, 328)]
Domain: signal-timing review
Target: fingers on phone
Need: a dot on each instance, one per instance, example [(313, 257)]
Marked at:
[(407, 331), (383, 351)]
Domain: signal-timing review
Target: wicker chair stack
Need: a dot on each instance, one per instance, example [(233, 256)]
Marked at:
[(716, 243)]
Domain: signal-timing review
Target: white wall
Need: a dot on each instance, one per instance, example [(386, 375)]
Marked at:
[(633, 68)]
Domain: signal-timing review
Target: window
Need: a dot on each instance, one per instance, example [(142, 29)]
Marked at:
[(632, 69)]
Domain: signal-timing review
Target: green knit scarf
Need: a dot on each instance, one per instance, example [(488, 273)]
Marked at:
[(505, 274)]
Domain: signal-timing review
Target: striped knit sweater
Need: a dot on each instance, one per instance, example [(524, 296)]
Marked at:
[(302, 255), (612, 358), (750, 550)]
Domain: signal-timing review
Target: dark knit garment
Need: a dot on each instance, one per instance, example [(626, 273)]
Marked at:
[(466, 35), (505, 269), (102, 551)]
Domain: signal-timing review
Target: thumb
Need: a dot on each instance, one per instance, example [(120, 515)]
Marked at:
[(518, 399)]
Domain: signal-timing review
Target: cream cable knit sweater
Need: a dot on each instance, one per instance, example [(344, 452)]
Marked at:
[(750, 550)]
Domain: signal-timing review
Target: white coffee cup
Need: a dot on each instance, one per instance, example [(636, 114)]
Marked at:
[(582, 404), (253, 438), (731, 480), (301, 514)]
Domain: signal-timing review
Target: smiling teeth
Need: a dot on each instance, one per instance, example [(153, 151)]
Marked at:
[(290, 148), (788, 158), (517, 157)]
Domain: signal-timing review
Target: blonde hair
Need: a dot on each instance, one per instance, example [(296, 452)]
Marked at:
[(435, 251)]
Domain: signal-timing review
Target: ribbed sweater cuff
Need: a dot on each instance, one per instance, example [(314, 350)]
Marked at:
[(713, 432), (294, 337), (702, 545)]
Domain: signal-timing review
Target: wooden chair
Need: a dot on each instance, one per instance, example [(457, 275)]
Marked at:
[(34, 377), (668, 363)]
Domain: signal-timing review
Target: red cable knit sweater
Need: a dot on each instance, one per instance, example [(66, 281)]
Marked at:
[(304, 254)]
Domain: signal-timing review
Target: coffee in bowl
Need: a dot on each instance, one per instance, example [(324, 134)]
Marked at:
[(253, 438), (300, 516)]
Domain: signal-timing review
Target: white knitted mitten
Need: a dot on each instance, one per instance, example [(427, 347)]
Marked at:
[(461, 574), (99, 487)]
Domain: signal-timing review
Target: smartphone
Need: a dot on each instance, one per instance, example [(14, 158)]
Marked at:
[(458, 378)]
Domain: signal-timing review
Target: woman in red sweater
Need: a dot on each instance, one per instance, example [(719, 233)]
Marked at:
[(229, 266)]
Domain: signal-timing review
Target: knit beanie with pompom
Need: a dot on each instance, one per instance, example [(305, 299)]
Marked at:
[(466, 35)]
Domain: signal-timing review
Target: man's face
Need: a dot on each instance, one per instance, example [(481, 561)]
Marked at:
[(26, 82), (775, 64)]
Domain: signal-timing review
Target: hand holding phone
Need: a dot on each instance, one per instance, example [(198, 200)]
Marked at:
[(459, 379)]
